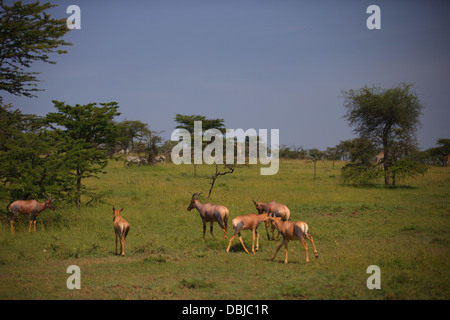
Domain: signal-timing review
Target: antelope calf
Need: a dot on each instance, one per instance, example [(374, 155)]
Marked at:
[(121, 228), (30, 207), (274, 209), (249, 221), (292, 231), (210, 213)]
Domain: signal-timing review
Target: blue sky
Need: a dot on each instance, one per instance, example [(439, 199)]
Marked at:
[(258, 64)]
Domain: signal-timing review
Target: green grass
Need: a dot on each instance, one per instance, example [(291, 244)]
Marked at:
[(403, 230)]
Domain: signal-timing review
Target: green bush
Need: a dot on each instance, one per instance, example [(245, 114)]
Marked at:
[(360, 173)]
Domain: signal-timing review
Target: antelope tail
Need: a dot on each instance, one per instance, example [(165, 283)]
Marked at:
[(123, 230)]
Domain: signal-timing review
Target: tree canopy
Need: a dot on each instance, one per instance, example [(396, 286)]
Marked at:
[(27, 34), (85, 130)]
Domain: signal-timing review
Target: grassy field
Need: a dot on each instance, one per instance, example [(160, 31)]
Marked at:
[(403, 230)]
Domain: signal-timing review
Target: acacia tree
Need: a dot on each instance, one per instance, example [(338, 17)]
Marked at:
[(315, 155), (187, 122), (380, 114), (86, 130), (131, 131), (27, 35)]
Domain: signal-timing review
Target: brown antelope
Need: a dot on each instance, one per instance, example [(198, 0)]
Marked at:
[(210, 213), (249, 221), (446, 158), (273, 209), (31, 207), (121, 228), (292, 231), (380, 159)]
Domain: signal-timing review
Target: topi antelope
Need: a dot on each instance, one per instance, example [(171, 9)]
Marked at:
[(292, 231), (445, 161), (249, 221), (121, 228), (31, 207), (210, 213), (273, 209), (380, 160)]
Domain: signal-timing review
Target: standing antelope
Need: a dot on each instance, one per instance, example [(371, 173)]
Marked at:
[(273, 209), (445, 161), (210, 213), (121, 228), (249, 221), (292, 231), (380, 159), (31, 207)]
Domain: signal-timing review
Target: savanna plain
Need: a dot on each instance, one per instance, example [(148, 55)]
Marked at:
[(403, 230)]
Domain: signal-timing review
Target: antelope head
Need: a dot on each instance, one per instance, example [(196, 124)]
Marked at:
[(116, 212), (49, 203), (258, 205), (192, 204)]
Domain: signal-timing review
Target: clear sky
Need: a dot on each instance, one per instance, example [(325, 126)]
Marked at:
[(262, 64)]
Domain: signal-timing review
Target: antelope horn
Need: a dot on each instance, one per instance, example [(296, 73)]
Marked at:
[(195, 195)]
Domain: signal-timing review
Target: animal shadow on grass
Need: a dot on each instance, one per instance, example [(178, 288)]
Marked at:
[(281, 261), (237, 247)]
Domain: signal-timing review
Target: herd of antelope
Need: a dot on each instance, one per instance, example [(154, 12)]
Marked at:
[(273, 214)]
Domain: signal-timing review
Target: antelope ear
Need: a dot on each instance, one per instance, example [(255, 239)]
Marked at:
[(121, 210), (114, 209)]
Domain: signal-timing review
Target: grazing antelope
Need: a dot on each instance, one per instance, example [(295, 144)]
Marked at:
[(273, 209), (292, 231), (121, 228), (31, 207), (249, 221), (210, 213)]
